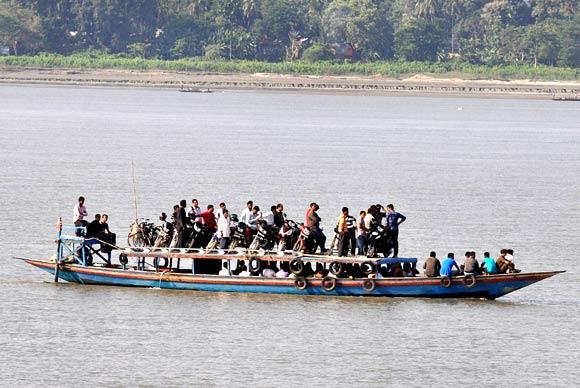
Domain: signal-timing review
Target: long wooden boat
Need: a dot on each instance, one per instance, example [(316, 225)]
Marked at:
[(74, 263)]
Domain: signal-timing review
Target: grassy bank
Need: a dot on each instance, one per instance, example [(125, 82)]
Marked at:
[(94, 60)]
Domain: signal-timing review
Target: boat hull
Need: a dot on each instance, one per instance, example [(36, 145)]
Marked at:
[(490, 287)]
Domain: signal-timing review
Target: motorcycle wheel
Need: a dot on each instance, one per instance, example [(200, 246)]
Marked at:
[(233, 244), (254, 245), (296, 246)]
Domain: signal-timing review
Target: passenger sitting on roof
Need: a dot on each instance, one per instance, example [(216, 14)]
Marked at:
[(224, 271), (503, 264), (432, 265), (106, 235), (447, 266), (471, 265), (488, 265), (94, 226)]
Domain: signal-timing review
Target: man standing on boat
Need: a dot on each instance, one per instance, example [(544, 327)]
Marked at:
[(313, 222), (209, 220), (224, 230), (180, 225), (246, 214), (194, 210), (343, 234), (394, 219)]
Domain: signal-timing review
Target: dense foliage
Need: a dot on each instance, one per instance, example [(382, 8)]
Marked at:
[(489, 32)]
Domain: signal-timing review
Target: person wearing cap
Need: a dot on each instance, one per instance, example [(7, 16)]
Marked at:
[(447, 266)]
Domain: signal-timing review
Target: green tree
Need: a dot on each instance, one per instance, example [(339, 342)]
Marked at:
[(420, 41), (20, 28), (361, 23)]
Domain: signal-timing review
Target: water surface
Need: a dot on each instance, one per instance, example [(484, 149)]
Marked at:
[(469, 174)]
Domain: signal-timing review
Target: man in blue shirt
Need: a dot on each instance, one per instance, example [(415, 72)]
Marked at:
[(394, 219), (488, 265), (447, 266)]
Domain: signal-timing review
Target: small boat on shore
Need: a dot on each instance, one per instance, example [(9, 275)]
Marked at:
[(566, 98), (175, 269), (195, 90)]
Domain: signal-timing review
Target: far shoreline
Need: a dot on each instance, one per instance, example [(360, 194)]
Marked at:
[(418, 84)]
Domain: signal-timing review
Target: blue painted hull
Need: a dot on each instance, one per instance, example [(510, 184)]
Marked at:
[(491, 287)]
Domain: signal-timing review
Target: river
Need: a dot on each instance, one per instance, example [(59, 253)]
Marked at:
[(468, 173)]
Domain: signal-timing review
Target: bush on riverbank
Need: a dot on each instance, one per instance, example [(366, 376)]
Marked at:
[(98, 60)]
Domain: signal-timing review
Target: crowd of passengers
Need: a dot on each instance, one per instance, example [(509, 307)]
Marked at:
[(352, 233)]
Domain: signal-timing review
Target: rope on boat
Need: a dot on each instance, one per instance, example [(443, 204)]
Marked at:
[(160, 276)]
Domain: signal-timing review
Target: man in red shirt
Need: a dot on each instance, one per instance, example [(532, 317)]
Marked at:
[(208, 219)]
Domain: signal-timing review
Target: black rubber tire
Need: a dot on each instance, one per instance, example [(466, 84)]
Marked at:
[(328, 283), (369, 285), (300, 283), (469, 281), (368, 267), (445, 282), (336, 268), (165, 262), (123, 259), (296, 266), (254, 265)]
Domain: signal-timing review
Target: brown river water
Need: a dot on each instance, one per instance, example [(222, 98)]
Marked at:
[(469, 174)]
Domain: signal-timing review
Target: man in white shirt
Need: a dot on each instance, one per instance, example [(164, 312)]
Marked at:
[(193, 210), (225, 271), (220, 211), (269, 216), (80, 212), (223, 230), (246, 213)]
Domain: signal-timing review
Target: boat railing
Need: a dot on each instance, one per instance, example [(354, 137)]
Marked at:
[(71, 244)]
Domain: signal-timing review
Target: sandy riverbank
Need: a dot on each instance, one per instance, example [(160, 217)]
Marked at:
[(418, 84)]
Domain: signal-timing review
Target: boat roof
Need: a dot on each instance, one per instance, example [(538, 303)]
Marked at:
[(246, 254)]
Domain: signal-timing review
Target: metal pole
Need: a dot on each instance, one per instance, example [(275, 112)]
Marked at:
[(58, 250), (134, 190)]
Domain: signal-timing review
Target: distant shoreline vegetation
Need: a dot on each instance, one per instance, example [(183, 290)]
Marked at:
[(394, 69)]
